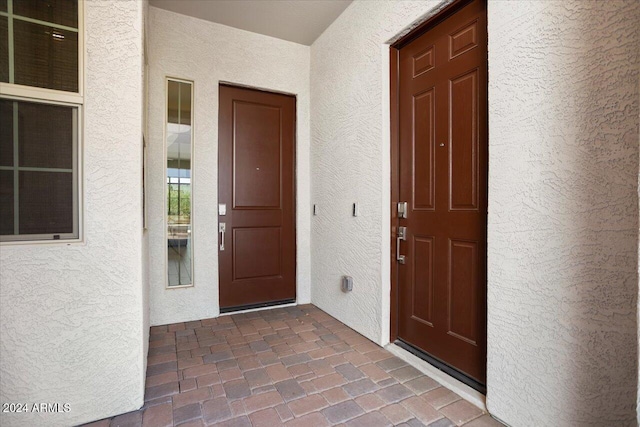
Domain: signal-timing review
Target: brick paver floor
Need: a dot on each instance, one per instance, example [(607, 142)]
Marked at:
[(294, 366)]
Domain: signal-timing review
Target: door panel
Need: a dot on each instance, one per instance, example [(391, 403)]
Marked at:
[(442, 170), (253, 261), (423, 153), (256, 156), (463, 274), (256, 183), (422, 302), (464, 39), (463, 149)]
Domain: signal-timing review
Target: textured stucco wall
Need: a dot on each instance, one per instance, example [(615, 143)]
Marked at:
[(563, 206), (350, 160), (208, 53), (145, 235), (563, 212), (71, 324)]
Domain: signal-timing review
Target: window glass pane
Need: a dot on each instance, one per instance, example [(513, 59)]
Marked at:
[(38, 198), (3, 5), (185, 104), (46, 202), (6, 202), (45, 57), (45, 135), (6, 133), (179, 200), (172, 101), (4, 49), (63, 12)]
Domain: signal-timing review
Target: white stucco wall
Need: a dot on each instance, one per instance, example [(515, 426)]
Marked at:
[(350, 161), (563, 206), (71, 315), (563, 212), (209, 53)]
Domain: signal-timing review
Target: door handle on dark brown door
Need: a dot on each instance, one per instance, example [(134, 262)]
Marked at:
[(222, 228), (402, 235)]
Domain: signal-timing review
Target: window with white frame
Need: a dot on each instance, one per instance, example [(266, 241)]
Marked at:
[(40, 110)]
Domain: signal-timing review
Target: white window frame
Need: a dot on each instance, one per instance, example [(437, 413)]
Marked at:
[(16, 92), (164, 188)]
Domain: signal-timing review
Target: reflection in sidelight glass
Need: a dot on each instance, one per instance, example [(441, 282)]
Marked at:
[(179, 136)]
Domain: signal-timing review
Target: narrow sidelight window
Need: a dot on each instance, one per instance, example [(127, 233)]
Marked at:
[(179, 140)]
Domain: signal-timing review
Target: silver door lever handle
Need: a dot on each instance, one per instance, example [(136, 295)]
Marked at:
[(402, 235), (222, 228)]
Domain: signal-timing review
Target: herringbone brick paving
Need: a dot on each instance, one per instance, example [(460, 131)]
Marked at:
[(293, 366)]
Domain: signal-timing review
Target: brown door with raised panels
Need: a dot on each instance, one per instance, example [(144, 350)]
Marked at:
[(442, 79), (256, 196)]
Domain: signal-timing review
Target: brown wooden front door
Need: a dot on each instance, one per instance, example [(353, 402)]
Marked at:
[(257, 186), (442, 101)]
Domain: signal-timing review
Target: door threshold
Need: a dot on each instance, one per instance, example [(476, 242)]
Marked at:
[(453, 372), (468, 393), (256, 307)]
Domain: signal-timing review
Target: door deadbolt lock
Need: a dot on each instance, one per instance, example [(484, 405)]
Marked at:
[(402, 210)]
